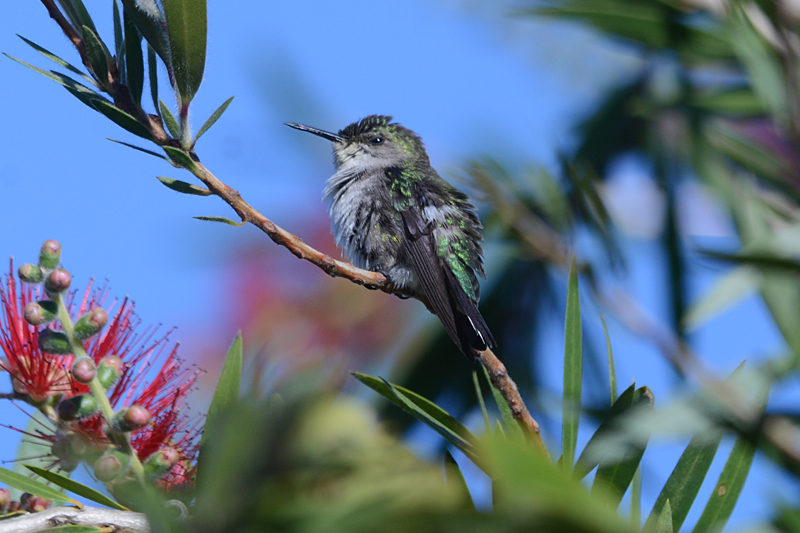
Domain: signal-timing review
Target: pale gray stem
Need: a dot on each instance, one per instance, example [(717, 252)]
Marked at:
[(120, 521)]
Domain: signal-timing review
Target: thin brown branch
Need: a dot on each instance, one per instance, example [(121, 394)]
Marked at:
[(106, 519), (372, 280), (68, 30)]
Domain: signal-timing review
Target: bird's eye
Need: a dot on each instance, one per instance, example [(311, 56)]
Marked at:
[(378, 139)]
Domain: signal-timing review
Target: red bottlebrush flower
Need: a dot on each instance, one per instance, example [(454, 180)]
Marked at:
[(33, 372)]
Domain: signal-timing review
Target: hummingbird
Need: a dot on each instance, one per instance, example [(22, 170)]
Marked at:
[(392, 213)]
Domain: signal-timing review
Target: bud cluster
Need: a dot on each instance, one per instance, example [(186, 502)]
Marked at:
[(27, 502)]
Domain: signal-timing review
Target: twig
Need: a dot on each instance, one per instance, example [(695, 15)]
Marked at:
[(110, 519), (69, 31)]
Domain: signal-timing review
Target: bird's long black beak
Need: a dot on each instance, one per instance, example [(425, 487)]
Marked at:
[(324, 134)]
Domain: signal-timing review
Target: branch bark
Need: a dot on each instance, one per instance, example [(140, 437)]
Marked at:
[(116, 521)]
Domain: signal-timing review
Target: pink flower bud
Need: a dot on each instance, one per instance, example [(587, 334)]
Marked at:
[(83, 370), (107, 468), (91, 323), (38, 313), (30, 273), (109, 370), (50, 255), (59, 280)]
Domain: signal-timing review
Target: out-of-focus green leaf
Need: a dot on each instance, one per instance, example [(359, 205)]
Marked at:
[(51, 56), (134, 60), (212, 119), (643, 22), (150, 25), (424, 410), (183, 187), (636, 498), (77, 488), (454, 476), (119, 40), (685, 481), (35, 487), (180, 158), (187, 32), (731, 288), (738, 102), (225, 398), (527, 483), (98, 56), (573, 370), (122, 119), (511, 426), (169, 120), (760, 62), (139, 148), (481, 403)]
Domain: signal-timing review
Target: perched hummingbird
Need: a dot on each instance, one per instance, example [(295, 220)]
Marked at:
[(392, 213)]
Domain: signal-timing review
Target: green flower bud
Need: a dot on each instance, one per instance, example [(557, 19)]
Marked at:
[(57, 281), (109, 371), (83, 370), (77, 407), (68, 464), (130, 419), (110, 466), (30, 273), (54, 342), (39, 313), (91, 323), (161, 462), (50, 255)]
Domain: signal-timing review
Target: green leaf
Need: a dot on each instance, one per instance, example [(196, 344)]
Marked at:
[(212, 119), (183, 187), (612, 372), (454, 476), (479, 394), (51, 56), (685, 481), (663, 524), (152, 69), (26, 484), (122, 119), (98, 55), (573, 370), (636, 498), (77, 14), (169, 120), (424, 410), (180, 158), (511, 425), (81, 92), (226, 396), (729, 289), (139, 148), (187, 31), (77, 488), (739, 102), (223, 220), (150, 25), (119, 40), (134, 60)]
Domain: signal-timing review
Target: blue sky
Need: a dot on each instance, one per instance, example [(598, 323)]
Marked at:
[(469, 79)]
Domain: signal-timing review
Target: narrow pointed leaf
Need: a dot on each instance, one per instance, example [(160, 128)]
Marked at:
[(685, 481), (663, 524), (76, 488), (81, 92), (729, 289), (573, 370), (225, 397), (454, 476), (134, 60), (479, 394), (139, 148), (51, 56), (636, 498), (183, 187), (212, 119), (152, 70), (169, 120), (223, 220), (612, 371), (123, 119), (77, 14), (424, 410), (98, 55), (119, 41), (511, 425), (187, 31), (35, 487), (180, 158)]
